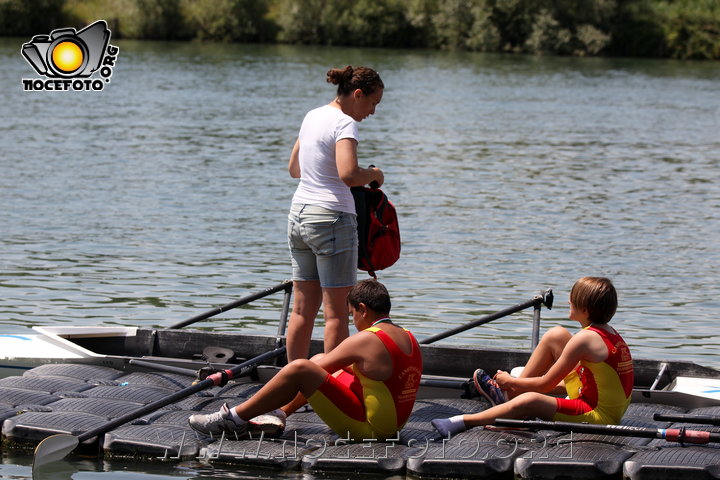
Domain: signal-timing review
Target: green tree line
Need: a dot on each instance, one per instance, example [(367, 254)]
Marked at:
[(682, 29)]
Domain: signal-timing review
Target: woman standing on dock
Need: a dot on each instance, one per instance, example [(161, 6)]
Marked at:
[(322, 224)]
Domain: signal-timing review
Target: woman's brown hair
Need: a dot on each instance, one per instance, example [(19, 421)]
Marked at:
[(349, 79)]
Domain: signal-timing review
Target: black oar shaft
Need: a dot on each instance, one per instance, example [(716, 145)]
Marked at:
[(580, 427), (688, 418), (235, 304), (210, 381), (162, 367), (483, 320), (669, 434), (442, 383)]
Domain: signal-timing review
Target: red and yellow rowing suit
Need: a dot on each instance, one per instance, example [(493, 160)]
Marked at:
[(362, 408), (599, 392)]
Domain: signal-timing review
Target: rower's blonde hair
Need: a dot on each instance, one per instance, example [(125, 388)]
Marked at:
[(597, 295)]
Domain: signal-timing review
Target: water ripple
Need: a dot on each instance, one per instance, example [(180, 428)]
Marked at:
[(166, 195)]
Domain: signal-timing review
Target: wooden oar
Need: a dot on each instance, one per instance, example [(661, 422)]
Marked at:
[(688, 418), (236, 303), (56, 447), (670, 434), (545, 299)]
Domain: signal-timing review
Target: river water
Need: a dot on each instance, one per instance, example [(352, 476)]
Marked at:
[(166, 194)]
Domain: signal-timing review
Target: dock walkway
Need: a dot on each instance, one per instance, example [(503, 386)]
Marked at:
[(74, 398)]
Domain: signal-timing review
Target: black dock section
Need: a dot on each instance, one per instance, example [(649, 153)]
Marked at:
[(70, 398)]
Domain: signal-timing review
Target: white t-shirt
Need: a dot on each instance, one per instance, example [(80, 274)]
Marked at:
[(320, 182)]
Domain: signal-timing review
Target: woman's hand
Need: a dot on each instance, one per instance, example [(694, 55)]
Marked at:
[(379, 177)]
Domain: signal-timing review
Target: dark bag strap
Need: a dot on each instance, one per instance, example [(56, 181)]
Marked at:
[(365, 198), (379, 211)]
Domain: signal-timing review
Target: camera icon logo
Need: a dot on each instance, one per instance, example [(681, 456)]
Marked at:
[(69, 54)]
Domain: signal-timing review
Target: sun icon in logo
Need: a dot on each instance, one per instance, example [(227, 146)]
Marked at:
[(67, 56)]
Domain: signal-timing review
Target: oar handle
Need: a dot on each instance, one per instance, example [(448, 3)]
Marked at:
[(546, 298), (689, 436), (229, 306), (211, 380)]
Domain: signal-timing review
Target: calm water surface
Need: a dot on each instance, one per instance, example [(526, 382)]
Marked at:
[(166, 194)]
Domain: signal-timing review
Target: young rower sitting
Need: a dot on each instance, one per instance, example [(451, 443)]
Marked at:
[(593, 366), (364, 388)]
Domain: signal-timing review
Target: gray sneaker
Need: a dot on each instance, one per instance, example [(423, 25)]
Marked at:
[(217, 423), (272, 424)]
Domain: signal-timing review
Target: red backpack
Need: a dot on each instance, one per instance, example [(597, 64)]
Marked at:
[(378, 230)]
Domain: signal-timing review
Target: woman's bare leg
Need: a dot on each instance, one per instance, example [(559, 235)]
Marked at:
[(337, 315), (307, 297)]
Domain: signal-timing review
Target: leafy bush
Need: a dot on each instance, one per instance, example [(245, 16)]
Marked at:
[(302, 21), (691, 28), (373, 23), (229, 20), (30, 17), (681, 29), (466, 25), (662, 28), (143, 19)]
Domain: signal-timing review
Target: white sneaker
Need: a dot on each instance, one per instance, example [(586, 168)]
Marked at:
[(272, 424), (218, 422)]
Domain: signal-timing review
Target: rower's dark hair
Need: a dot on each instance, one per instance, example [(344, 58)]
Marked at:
[(349, 79), (597, 295), (373, 294)]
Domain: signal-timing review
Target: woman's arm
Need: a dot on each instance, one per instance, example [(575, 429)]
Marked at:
[(294, 163), (349, 170)]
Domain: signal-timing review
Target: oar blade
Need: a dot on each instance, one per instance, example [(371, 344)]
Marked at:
[(53, 448), (58, 446)]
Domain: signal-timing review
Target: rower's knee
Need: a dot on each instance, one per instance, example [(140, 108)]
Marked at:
[(528, 403), (534, 404), (317, 357), (526, 399), (557, 336), (305, 376), (299, 367)]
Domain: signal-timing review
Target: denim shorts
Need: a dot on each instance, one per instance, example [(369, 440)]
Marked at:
[(323, 245)]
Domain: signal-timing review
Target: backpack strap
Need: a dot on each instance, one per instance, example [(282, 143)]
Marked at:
[(380, 209)]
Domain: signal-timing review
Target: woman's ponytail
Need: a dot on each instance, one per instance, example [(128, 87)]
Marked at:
[(349, 79)]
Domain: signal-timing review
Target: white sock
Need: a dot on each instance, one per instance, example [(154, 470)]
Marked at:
[(449, 426), (236, 418), (457, 421)]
